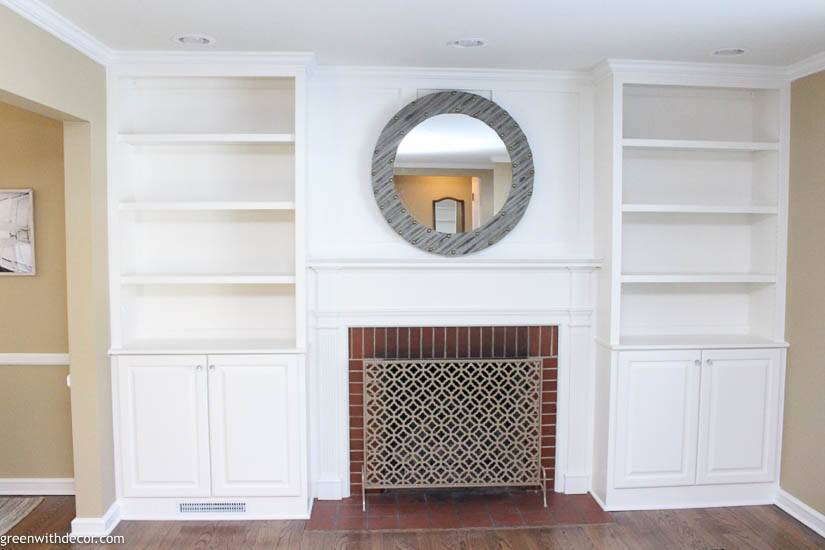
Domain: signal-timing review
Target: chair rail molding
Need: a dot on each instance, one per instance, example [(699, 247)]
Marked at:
[(34, 359)]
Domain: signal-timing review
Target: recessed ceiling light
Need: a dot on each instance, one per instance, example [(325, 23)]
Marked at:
[(193, 39), (729, 52), (467, 43)]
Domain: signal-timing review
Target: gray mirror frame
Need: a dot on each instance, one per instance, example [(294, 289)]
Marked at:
[(393, 210)]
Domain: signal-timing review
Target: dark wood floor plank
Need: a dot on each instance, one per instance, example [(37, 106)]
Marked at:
[(754, 527)]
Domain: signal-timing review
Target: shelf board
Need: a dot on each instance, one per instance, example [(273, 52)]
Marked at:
[(705, 341), (190, 139), (204, 346), (267, 279), (700, 144), (697, 209), (206, 206), (696, 278)]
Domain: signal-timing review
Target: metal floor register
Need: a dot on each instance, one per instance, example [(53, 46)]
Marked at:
[(437, 423)]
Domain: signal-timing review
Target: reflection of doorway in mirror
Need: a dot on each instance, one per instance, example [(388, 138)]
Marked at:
[(448, 215), (476, 189)]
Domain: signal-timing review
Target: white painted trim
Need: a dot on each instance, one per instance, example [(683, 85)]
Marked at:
[(435, 73), (465, 263), (688, 70), (576, 484), (807, 66), (41, 15), (327, 489), (40, 486), (164, 57), (801, 511), (34, 358), (97, 527)]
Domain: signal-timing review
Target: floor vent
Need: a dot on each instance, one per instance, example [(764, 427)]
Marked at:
[(212, 507)]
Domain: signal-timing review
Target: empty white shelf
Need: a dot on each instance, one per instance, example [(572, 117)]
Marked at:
[(189, 139), (698, 278), (697, 209), (704, 341), (700, 144), (201, 346), (207, 205), (207, 279)]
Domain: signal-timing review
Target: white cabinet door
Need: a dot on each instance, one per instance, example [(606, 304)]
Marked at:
[(739, 418), (164, 428), (656, 418), (255, 424)]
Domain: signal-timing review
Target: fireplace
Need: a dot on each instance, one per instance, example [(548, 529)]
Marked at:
[(469, 363)]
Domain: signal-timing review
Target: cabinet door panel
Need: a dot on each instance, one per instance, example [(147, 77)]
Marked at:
[(255, 421), (739, 416), (164, 426), (656, 418)]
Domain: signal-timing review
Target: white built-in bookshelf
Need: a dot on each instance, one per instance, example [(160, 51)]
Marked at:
[(698, 239), (205, 214)]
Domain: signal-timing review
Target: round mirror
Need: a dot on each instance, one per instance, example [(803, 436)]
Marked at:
[(452, 173)]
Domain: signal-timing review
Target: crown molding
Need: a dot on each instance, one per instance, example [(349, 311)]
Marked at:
[(440, 73), (807, 66), (41, 15), (729, 73), (168, 57)]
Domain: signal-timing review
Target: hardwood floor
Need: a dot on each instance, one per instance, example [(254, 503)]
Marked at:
[(758, 527)]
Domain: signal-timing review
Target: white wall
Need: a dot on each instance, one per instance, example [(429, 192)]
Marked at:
[(349, 108), (407, 287)]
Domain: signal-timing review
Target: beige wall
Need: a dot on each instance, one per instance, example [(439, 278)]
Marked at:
[(44, 74), (33, 316), (419, 192), (36, 428), (803, 452)]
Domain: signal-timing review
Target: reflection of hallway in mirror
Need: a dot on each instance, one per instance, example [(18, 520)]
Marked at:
[(418, 190)]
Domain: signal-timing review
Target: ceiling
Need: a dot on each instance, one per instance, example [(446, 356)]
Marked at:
[(520, 34), (451, 140)]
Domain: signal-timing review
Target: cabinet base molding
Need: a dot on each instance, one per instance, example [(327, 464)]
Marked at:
[(695, 496), (801, 511), (98, 527), (257, 508)]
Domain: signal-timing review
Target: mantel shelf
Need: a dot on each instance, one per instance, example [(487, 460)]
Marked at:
[(265, 279), (698, 278), (700, 144), (206, 206), (196, 139), (697, 209)]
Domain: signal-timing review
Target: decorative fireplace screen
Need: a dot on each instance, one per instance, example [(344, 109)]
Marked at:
[(452, 423)]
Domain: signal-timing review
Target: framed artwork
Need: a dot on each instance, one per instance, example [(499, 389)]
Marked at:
[(16, 232)]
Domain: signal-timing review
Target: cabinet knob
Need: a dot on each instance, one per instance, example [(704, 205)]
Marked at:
[(697, 362), (211, 367), (710, 363), (199, 367)]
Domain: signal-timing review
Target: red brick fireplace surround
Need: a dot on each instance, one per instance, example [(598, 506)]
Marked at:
[(452, 342)]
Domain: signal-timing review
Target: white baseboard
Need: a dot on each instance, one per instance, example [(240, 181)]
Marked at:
[(97, 527), (576, 484), (41, 486), (801, 511)]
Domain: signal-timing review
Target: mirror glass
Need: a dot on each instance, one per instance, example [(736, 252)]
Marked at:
[(452, 173)]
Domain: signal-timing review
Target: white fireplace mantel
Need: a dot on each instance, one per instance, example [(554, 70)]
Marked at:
[(344, 294)]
